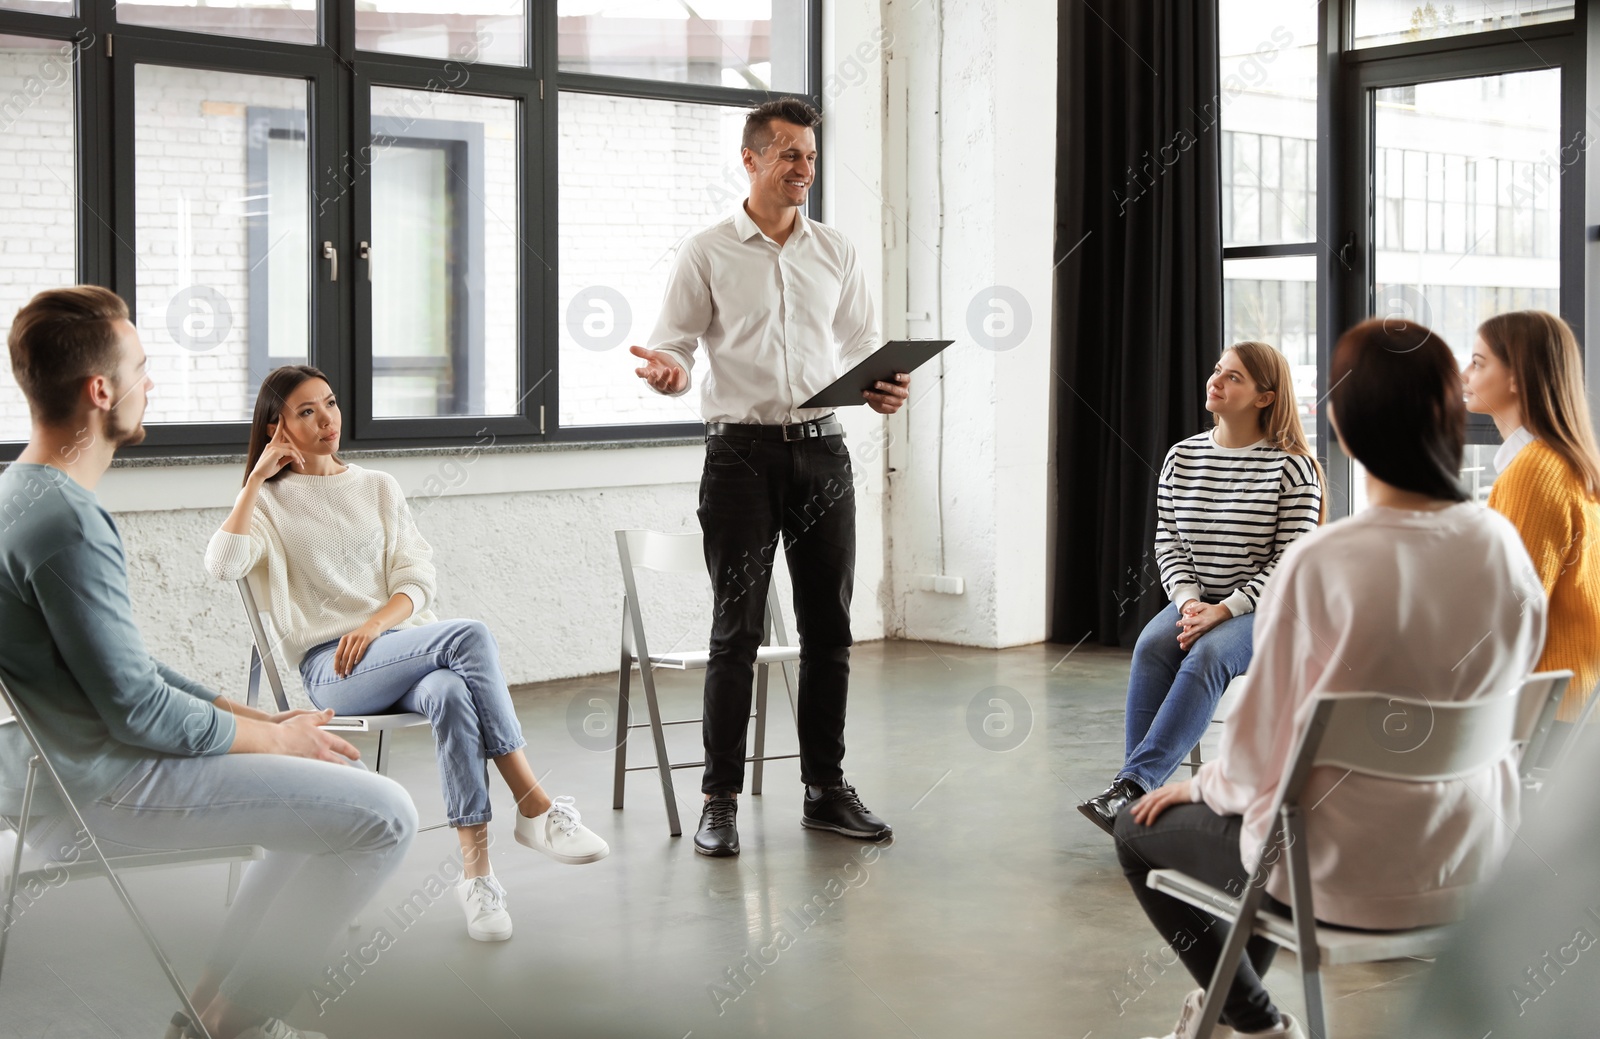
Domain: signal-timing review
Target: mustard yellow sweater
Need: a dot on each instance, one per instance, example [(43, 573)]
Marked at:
[(1560, 526)]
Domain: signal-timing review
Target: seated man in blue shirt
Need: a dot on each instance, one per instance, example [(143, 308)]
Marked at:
[(154, 760)]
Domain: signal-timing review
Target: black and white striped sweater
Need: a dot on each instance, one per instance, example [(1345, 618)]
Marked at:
[(1225, 515)]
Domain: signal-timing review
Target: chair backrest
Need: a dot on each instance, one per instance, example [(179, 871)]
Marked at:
[(263, 655), (663, 553), (1413, 738), (673, 554), (1536, 714)]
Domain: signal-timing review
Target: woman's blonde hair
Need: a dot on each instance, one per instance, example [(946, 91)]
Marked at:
[(1544, 358), (1280, 420)]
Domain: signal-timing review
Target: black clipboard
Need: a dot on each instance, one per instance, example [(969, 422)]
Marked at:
[(899, 355)]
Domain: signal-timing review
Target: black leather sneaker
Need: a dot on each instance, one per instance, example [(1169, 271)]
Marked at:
[(719, 832), (1102, 809), (837, 808)]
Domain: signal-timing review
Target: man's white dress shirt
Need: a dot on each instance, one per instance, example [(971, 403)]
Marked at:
[(779, 323)]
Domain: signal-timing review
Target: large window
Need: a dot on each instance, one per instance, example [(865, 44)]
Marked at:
[(1427, 167), (652, 106), (463, 213)]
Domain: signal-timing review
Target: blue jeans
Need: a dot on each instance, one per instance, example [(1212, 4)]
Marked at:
[(332, 833), (1173, 693), (448, 671)]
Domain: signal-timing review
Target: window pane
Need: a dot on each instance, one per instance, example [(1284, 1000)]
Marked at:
[(221, 225), (493, 31), (444, 254), (287, 21), (1274, 300), (755, 44), (618, 241), (38, 171), (60, 8), (1382, 22), (1268, 114), (1493, 142)]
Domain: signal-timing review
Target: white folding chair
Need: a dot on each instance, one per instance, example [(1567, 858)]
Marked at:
[(682, 554), (1463, 736), (49, 874), (1224, 708), (263, 661), (1541, 699)]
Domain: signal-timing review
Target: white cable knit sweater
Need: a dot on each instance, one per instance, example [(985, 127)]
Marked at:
[(335, 549)]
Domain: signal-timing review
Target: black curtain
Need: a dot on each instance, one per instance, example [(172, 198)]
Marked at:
[(1138, 283)]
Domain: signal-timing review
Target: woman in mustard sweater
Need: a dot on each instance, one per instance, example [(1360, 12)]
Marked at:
[(1526, 372)]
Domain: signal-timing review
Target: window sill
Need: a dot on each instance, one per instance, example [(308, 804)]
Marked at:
[(212, 481)]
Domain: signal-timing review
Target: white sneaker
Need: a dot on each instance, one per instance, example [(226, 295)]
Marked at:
[(560, 834), (484, 901), (1290, 1029), (1189, 1020), (273, 1028)]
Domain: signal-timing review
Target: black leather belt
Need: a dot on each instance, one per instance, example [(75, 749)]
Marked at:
[(826, 426)]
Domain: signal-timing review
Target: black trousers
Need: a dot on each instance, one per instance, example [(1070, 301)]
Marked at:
[(1204, 845), (751, 493)]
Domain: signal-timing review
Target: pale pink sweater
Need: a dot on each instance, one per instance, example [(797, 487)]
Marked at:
[(1444, 605)]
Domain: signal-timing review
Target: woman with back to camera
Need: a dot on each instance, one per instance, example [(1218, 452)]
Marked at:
[(1229, 501), (1526, 372), (351, 581), (1422, 594)]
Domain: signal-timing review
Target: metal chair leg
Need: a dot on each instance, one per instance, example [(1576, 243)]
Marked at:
[(663, 765), (16, 855), (381, 765), (234, 873), (624, 680), (1305, 924), (761, 728), (1194, 758)]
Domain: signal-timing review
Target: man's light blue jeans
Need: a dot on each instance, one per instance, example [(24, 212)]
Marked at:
[(333, 834), (1172, 693), (448, 671)]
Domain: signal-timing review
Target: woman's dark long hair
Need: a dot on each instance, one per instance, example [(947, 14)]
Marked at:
[(275, 390), (1397, 400)]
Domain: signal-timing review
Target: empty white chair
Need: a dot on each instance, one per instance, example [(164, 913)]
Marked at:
[(681, 554)]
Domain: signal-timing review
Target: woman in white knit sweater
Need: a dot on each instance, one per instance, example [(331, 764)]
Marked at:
[(1422, 594), (350, 584)]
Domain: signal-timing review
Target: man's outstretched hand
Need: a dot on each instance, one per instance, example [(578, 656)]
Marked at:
[(660, 371)]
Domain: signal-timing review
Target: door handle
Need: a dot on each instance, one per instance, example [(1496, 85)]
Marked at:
[(364, 250), (331, 254)]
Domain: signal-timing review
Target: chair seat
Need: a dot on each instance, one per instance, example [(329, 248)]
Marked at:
[(56, 872), (375, 722), (697, 659), (1337, 945)]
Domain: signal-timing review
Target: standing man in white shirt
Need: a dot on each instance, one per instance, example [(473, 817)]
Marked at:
[(781, 305)]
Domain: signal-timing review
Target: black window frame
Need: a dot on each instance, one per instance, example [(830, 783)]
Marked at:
[(338, 112), (1346, 211)]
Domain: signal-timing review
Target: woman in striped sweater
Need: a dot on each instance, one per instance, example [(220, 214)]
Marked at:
[(1526, 372), (1230, 500)]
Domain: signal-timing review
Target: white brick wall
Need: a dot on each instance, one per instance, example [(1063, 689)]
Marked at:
[(636, 177), (37, 173)]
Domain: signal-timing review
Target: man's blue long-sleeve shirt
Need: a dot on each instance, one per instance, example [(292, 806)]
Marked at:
[(71, 654)]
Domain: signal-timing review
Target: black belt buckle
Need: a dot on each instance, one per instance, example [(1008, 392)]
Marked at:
[(803, 430)]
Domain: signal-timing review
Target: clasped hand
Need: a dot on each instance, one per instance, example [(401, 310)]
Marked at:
[(1196, 618)]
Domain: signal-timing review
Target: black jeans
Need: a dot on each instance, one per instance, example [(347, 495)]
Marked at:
[(753, 491), (1204, 845)]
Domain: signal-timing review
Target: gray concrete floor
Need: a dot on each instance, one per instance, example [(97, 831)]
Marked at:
[(996, 911)]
